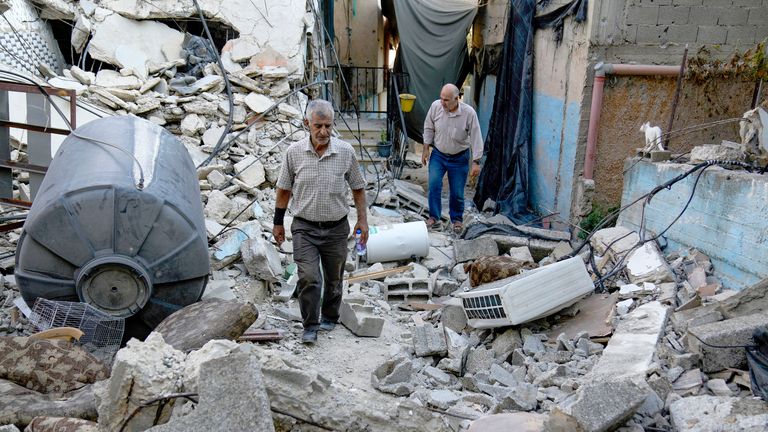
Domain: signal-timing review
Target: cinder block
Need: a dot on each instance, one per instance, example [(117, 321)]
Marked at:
[(359, 318), (653, 2), (651, 34), (674, 14), (732, 332), (467, 250), (643, 15), (741, 35), (705, 15), (757, 16), (712, 35), (748, 3), (682, 33), (718, 3), (404, 288), (734, 17), (687, 2)]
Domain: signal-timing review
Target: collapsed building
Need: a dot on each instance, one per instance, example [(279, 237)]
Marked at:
[(540, 315)]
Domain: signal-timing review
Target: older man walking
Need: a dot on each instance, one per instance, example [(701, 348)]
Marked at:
[(452, 128), (315, 177)]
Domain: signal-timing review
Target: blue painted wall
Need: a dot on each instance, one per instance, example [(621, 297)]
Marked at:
[(555, 134), (726, 219)]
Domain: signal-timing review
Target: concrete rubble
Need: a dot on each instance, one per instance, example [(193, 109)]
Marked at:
[(409, 334)]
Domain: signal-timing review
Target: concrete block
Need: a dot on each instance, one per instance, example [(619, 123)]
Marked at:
[(521, 397), (713, 413), (643, 15), (467, 250), (748, 301), (633, 344), (602, 406), (748, 3), (757, 16), (452, 315), (673, 15), (620, 240), (712, 35), (261, 259), (232, 397), (480, 359), (705, 15), (742, 35), (687, 2), (734, 17), (647, 264), (695, 317), (717, 3), (504, 344), (415, 283), (735, 331), (428, 341), (359, 318)]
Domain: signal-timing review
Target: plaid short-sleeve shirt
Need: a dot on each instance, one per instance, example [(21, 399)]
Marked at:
[(318, 185)]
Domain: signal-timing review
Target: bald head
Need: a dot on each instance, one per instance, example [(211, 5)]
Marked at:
[(449, 97)]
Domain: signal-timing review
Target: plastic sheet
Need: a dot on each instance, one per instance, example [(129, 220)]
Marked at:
[(757, 358)]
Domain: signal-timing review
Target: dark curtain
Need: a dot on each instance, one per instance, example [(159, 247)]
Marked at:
[(504, 178)]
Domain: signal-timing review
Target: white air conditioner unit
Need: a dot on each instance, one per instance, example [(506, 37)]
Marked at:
[(527, 296)]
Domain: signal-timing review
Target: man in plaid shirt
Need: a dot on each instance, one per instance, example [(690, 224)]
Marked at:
[(315, 173)]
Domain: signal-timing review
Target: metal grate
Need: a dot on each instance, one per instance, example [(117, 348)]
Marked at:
[(102, 332), (484, 307)]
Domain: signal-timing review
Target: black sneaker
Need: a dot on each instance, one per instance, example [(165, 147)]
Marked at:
[(326, 325), (309, 336)]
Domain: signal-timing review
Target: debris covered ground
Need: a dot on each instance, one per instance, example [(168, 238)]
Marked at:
[(631, 353)]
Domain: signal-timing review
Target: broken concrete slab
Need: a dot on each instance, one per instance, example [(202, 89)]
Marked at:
[(251, 171), (630, 351), (466, 250), (232, 397), (142, 371), (452, 315), (506, 422), (713, 413), (429, 340), (193, 326), (116, 32), (747, 302), (732, 332), (732, 151), (227, 249), (261, 259), (647, 264), (602, 406), (593, 317), (394, 376), (620, 240), (359, 318)]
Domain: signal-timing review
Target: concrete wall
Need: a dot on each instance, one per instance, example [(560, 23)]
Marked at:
[(725, 220), (560, 70), (359, 32)]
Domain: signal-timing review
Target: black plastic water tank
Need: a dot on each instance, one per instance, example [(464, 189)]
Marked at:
[(117, 223)]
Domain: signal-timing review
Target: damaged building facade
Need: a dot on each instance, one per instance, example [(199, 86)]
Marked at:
[(551, 320)]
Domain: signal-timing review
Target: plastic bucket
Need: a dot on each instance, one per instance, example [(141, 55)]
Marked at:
[(406, 101), (397, 242), (384, 149)]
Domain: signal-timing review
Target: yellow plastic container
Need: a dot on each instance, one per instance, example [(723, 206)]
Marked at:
[(406, 101)]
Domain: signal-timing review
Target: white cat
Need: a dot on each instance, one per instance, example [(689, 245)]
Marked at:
[(652, 137)]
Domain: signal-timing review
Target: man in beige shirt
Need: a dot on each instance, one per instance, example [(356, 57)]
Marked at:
[(315, 173), (452, 128)]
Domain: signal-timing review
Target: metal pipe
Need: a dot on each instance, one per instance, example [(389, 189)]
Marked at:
[(601, 70), (678, 88)]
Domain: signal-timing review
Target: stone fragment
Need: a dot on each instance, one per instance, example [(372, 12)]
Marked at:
[(532, 345), (359, 318), (734, 152), (394, 376), (480, 359), (192, 125), (84, 77), (713, 413), (69, 84), (141, 371), (466, 250), (747, 302), (452, 315), (212, 135), (504, 344), (202, 107), (193, 326), (218, 206), (442, 399), (719, 388), (647, 264), (510, 422), (250, 171), (622, 307), (619, 239), (261, 259), (602, 406), (112, 79), (428, 341), (258, 103), (732, 332), (232, 397), (217, 180)]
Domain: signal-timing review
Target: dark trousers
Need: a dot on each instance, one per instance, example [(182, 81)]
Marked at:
[(457, 167), (313, 247)]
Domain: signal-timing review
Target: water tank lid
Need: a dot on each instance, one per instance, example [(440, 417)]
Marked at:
[(114, 284)]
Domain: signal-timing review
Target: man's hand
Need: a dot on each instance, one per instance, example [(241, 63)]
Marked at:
[(475, 170), (363, 227), (278, 231), (425, 154)]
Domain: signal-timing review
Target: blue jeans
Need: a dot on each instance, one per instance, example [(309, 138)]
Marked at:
[(457, 167)]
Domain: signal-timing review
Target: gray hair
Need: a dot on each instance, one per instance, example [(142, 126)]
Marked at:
[(319, 107)]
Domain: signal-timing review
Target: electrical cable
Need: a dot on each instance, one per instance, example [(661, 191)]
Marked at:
[(227, 84), (140, 184)]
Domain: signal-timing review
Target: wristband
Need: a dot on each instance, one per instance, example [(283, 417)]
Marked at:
[(279, 216)]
